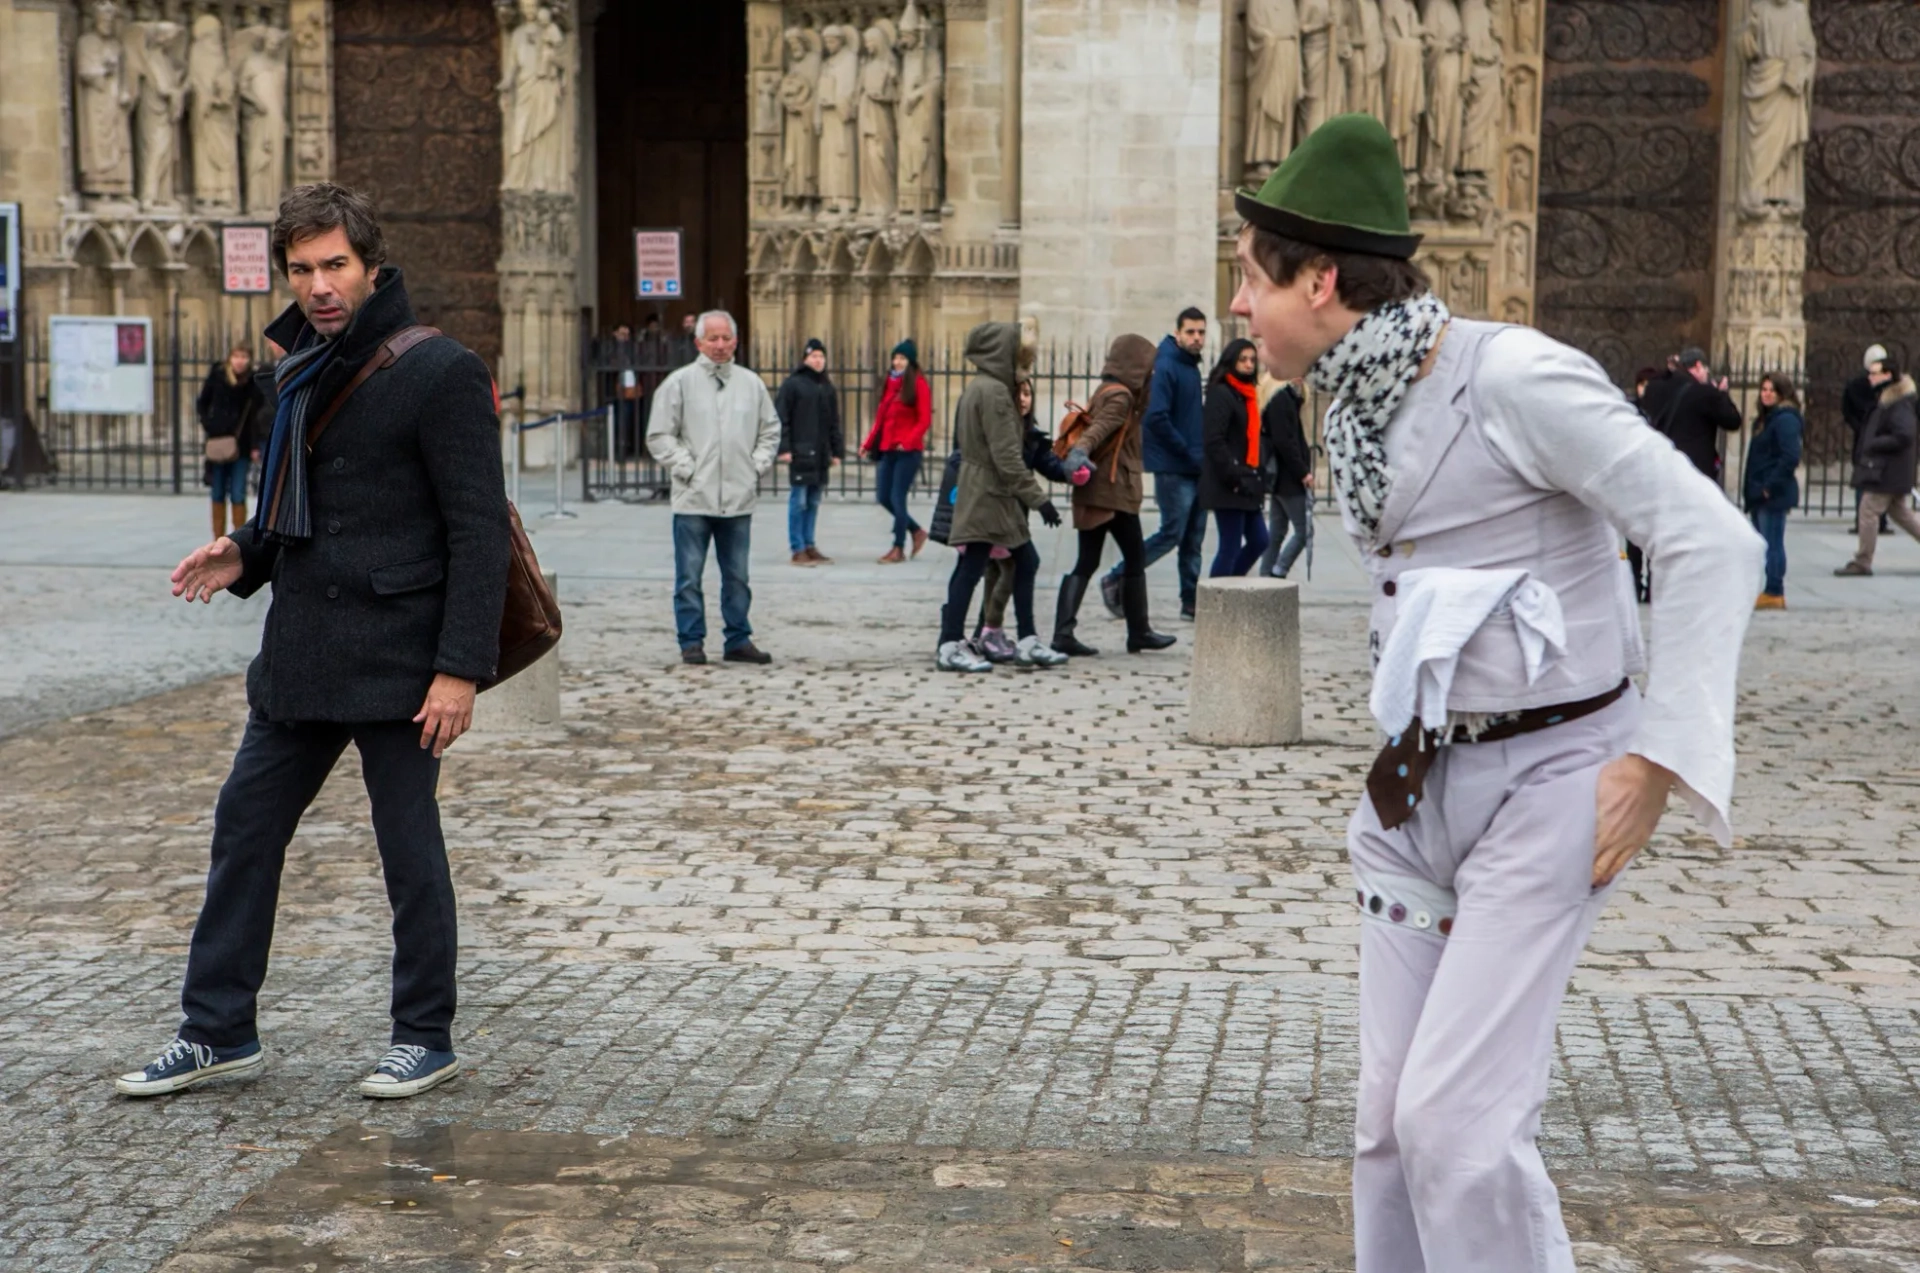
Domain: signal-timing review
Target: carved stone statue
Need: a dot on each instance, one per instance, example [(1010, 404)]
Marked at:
[(1274, 82), (921, 79), (839, 129), (262, 83), (216, 125), (1446, 42), (1520, 179), (1406, 80), (879, 146), (160, 100), (536, 103), (1480, 139), (1777, 100), (102, 108), (1324, 81), (800, 140), (1367, 59)]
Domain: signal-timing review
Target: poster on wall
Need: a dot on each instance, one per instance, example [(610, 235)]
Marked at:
[(101, 366), (246, 259), (656, 264), (9, 272)]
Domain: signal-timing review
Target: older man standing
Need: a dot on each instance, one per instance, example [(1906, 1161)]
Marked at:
[(715, 431)]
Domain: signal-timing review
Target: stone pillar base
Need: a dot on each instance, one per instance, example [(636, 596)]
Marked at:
[(1245, 688), (529, 702)]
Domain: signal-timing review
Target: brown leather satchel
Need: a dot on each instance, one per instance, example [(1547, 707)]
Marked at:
[(223, 450), (530, 620)]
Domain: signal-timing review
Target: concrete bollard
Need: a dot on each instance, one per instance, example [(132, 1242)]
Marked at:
[(1245, 686), (530, 701)]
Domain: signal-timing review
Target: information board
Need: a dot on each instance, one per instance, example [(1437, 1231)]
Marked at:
[(656, 264), (101, 366), (9, 272), (246, 259)]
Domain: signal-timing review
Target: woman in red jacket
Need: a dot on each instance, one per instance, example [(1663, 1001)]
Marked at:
[(898, 440)]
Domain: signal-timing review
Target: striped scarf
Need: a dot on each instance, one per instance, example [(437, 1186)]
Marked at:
[(284, 515)]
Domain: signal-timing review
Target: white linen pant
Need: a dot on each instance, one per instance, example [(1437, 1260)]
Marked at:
[(1457, 1030)]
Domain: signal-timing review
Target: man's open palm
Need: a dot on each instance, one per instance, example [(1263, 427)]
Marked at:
[(207, 570)]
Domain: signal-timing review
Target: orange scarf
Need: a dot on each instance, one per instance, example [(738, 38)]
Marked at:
[(1251, 393)]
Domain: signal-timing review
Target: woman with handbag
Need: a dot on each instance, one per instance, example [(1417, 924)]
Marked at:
[(231, 408), (1109, 504), (1235, 456), (897, 443)]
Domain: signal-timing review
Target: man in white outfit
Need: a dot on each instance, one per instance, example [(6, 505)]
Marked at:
[(1487, 474)]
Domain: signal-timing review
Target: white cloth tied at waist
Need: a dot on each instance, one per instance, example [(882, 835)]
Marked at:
[(1440, 608)]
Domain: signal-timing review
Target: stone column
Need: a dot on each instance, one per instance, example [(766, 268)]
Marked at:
[(312, 25), (540, 216)]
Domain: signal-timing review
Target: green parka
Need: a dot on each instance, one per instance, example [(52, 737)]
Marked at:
[(996, 487)]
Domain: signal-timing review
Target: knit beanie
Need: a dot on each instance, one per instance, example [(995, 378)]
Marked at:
[(813, 343), (911, 350)]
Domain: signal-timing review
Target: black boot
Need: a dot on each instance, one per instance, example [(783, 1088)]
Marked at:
[(1066, 615), (1140, 633)]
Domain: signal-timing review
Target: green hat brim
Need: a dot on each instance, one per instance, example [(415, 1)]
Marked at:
[(1323, 234)]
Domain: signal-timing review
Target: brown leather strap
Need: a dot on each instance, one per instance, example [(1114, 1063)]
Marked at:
[(391, 351)]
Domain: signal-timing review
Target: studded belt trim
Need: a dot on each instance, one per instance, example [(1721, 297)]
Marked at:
[(1399, 773), (1405, 901)]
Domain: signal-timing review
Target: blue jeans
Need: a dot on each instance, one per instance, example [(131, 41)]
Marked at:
[(1243, 537), (732, 539), (803, 514), (1291, 510), (893, 482), (1773, 528), (1183, 525), (229, 481)]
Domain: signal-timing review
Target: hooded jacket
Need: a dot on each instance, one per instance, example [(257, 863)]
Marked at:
[(1887, 450), (996, 488), (1114, 422), (714, 429), (1172, 425), (1771, 485), (809, 409)]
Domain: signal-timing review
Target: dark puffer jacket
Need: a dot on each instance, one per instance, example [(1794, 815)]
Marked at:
[(1887, 450)]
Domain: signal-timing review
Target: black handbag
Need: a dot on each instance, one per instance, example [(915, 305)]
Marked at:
[(944, 502)]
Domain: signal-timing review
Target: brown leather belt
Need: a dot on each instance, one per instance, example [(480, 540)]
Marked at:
[(1399, 774)]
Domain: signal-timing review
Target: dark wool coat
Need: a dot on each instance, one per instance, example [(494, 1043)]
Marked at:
[(1772, 485), (1693, 419), (809, 409), (240, 411), (406, 573), (1113, 431), (1226, 479), (1292, 457), (1887, 444)]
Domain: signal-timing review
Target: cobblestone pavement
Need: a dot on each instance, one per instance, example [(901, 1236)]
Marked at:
[(845, 902)]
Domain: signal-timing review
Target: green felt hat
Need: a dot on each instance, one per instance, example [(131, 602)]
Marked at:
[(1341, 188)]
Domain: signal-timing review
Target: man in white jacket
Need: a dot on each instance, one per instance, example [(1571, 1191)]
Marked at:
[(1488, 461), (714, 430)]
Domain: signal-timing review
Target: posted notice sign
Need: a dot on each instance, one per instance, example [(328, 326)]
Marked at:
[(101, 366), (656, 264), (246, 260)]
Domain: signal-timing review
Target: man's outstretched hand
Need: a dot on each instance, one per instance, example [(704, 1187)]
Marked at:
[(207, 570), (447, 713)]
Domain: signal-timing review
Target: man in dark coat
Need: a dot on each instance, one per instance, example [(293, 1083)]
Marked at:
[(386, 539), (1885, 471), (1857, 401), (812, 443), (1696, 412)]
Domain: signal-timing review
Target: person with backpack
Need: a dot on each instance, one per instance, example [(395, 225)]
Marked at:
[(897, 444), (990, 640), (812, 445), (1235, 459), (995, 491), (1108, 432)]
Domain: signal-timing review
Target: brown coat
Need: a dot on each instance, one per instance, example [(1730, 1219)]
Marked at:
[(1113, 414)]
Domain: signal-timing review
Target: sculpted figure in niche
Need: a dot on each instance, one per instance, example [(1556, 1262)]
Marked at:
[(800, 138), (1320, 64), (1273, 80), (262, 84), (1777, 98), (216, 125), (1366, 59), (1480, 137), (160, 101), (879, 147), (1441, 124), (839, 129), (535, 101), (919, 116), (1406, 82), (1519, 179), (1523, 26), (102, 111)]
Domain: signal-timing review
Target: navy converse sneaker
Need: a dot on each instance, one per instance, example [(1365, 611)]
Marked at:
[(408, 1070), (184, 1065)]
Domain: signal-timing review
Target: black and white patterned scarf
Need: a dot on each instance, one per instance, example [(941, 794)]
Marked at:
[(1368, 373)]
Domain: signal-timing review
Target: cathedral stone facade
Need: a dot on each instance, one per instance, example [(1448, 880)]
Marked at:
[(1631, 175)]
